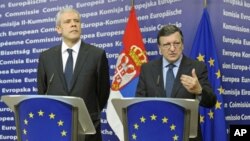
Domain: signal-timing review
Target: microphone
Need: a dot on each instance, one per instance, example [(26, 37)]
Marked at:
[(158, 80), (50, 81)]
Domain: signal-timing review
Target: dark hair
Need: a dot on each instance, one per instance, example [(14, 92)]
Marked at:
[(168, 30)]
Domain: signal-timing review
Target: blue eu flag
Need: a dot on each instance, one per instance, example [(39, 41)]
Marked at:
[(45, 120), (155, 121), (212, 120)]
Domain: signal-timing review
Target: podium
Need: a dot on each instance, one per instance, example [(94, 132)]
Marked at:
[(147, 119), (45, 117)]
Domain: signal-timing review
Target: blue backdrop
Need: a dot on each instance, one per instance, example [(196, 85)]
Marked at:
[(28, 27)]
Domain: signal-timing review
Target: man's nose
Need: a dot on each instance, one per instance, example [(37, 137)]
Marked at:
[(172, 47), (73, 23)]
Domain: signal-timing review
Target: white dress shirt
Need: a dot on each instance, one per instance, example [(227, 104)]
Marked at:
[(65, 53), (165, 69)]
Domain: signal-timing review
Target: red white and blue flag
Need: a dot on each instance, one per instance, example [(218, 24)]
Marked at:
[(128, 65)]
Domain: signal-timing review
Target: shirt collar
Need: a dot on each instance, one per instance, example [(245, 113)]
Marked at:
[(75, 48), (177, 63)]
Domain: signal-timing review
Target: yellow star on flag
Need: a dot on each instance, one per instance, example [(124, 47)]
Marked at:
[(142, 119), (211, 62), (134, 136), (63, 133), (218, 74), (136, 126), (221, 90), (165, 120), (211, 114), (60, 123), (52, 116), (218, 105), (153, 117), (24, 132), (40, 113), (26, 122), (201, 119), (31, 115), (175, 138), (172, 127), (200, 58)]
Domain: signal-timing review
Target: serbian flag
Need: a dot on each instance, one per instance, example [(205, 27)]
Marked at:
[(128, 65)]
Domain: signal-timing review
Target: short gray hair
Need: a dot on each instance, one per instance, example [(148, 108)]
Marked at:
[(64, 10)]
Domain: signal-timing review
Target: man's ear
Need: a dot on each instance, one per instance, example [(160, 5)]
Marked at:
[(160, 53), (59, 30)]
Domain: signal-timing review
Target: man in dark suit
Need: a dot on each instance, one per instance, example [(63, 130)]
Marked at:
[(88, 69), (190, 77)]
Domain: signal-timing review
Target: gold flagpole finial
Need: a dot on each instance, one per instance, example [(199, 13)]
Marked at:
[(205, 3)]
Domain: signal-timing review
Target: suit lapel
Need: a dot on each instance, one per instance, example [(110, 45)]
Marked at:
[(80, 62), (158, 78), (59, 65), (184, 68)]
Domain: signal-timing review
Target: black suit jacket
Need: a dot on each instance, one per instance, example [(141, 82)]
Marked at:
[(151, 82), (90, 79)]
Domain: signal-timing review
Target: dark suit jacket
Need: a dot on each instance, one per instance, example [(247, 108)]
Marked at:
[(151, 82), (90, 79)]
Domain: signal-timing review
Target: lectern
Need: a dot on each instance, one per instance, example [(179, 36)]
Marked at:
[(147, 119), (45, 117)]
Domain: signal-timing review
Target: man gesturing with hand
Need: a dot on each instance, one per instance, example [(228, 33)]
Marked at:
[(174, 75)]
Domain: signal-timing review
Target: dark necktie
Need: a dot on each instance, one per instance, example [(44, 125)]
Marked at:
[(69, 69), (169, 80)]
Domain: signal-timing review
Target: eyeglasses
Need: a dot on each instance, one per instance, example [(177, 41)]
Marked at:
[(174, 44)]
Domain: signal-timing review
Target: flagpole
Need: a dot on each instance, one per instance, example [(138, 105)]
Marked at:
[(132, 3), (205, 3)]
